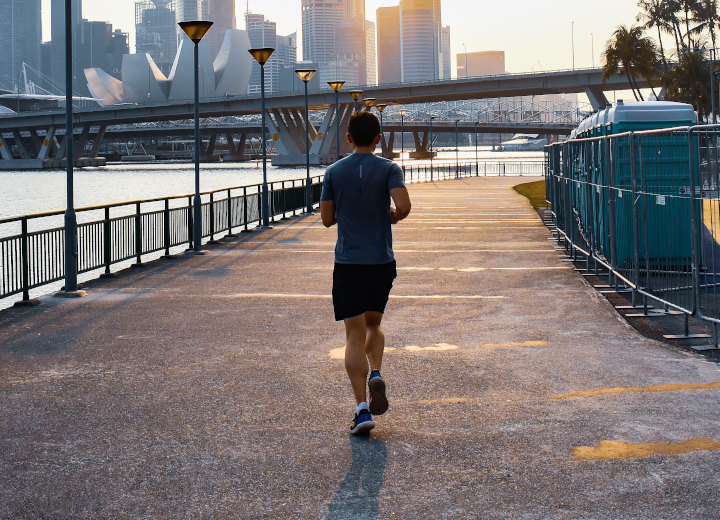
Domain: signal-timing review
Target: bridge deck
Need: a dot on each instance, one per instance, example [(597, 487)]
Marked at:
[(210, 386)]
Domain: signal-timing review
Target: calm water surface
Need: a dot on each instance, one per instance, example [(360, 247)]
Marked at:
[(26, 192)]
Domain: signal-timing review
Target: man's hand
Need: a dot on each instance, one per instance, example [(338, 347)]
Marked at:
[(401, 198)]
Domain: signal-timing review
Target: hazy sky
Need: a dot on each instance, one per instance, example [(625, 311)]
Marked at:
[(534, 34)]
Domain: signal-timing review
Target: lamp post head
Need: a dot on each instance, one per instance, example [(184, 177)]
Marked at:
[(369, 102), (195, 29), (355, 94), (402, 113), (336, 85), (305, 74), (261, 55), (381, 107)]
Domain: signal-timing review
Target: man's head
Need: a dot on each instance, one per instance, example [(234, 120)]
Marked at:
[(364, 129)]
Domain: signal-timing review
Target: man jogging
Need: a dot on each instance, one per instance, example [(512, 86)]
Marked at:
[(356, 196)]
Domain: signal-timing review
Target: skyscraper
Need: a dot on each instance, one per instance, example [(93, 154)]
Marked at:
[(335, 38), (222, 13), (419, 36), (370, 54), (388, 45), (20, 24), (98, 46), (263, 33), (412, 43), (57, 33), (188, 10), (155, 31)]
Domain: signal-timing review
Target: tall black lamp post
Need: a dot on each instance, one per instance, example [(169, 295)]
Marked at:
[(432, 118), (306, 75), (356, 95), (262, 55), (402, 139), (457, 151), (381, 108), (336, 86), (196, 30), (71, 260), (477, 164)]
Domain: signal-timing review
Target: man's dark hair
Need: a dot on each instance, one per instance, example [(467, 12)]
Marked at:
[(364, 127)]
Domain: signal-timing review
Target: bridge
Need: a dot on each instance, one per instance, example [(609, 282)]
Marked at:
[(32, 140)]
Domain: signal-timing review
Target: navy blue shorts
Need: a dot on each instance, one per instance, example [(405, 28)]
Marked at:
[(359, 288)]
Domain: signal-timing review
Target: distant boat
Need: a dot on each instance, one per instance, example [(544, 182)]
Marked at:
[(524, 143)]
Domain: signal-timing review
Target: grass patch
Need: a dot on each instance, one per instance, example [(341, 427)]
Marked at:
[(534, 192)]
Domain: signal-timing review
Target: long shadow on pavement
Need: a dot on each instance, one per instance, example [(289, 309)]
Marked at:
[(356, 498)]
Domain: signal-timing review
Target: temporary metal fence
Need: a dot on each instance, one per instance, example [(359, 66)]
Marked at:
[(32, 246), (645, 206), (455, 170)]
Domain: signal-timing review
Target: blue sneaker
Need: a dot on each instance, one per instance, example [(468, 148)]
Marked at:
[(378, 400), (363, 423)]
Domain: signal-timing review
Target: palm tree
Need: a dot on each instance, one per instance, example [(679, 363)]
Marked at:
[(631, 53), (688, 81), (654, 15), (705, 15)]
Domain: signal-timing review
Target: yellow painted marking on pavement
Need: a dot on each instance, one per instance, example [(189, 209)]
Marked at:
[(675, 387), (516, 344), (289, 296), (447, 400), (437, 347), (615, 450), (339, 353)]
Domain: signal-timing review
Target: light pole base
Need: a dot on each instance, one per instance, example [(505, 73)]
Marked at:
[(71, 294), (27, 303), (262, 228), (192, 252)]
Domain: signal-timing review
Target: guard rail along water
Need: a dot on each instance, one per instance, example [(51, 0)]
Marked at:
[(645, 205), (126, 233)]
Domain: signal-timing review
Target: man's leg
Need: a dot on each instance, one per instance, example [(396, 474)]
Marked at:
[(356, 361), (375, 339)]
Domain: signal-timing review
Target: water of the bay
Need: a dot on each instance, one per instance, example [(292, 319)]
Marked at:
[(24, 192)]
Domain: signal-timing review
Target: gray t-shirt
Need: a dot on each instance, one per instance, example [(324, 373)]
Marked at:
[(360, 186)]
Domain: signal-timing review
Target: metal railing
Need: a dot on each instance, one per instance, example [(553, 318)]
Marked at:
[(444, 169), (645, 206), (32, 246)]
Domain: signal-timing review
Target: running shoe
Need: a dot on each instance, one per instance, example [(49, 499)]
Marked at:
[(378, 401), (363, 423)]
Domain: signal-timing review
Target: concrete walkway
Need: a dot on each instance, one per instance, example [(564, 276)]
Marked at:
[(212, 387)]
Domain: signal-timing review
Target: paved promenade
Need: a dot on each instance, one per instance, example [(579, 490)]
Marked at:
[(213, 387)]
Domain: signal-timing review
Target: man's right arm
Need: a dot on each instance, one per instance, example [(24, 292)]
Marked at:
[(401, 198)]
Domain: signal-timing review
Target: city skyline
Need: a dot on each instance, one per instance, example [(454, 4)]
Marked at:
[(537, 38)]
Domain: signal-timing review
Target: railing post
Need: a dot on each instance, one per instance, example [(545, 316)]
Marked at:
[(635, 219), (229, 212), (190, 223), (260, 208), (612, 204), (245, 208), (107, 239), (284, 202), (25, 260), (646, 241), (273, 210), (138, 234), (294, 208), (695, 226), (212, 217), (166, 227)]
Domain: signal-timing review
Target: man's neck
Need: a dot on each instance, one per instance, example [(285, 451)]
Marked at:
[(364, 149)]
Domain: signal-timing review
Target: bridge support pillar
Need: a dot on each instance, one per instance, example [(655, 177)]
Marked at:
[(597, 97), (237, 151), (288, 132), (421, 145)]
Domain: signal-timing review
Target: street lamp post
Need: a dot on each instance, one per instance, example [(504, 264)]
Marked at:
[(70, 216), (306, 75), (381, 108), (196, 30), (402, 139), (432, 118), (369, 103), (336, 86), (356, 95), (477, 164), (457, 151), (262, 55)]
